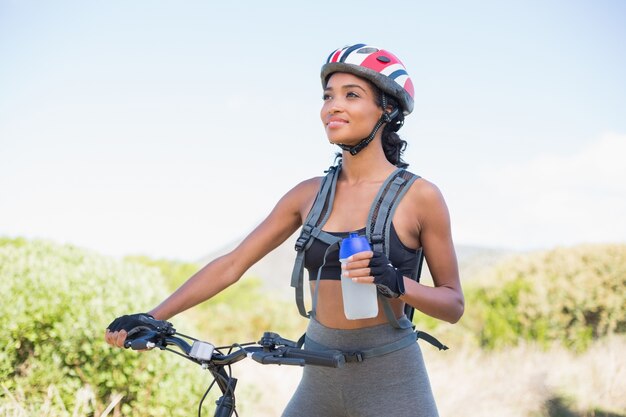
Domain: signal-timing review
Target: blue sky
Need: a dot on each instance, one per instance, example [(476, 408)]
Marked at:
[(172, 128)]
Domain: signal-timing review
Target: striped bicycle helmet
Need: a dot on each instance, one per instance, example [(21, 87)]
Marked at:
[(377, 65)]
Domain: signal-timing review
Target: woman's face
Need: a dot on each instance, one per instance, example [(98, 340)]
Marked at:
[(350, 111)]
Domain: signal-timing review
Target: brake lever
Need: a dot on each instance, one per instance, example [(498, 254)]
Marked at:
[(162, 326), (270, 340)]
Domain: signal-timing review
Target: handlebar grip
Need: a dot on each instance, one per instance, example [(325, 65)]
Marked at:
[(141, 340), (138, 344), (276, 360), (328, 358)]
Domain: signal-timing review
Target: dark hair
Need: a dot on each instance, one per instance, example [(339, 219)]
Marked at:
[(393, 145)]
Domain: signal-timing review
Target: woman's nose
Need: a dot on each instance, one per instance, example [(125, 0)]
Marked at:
[(335, 106)]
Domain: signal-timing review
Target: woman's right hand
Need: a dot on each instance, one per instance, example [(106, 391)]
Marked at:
[(115, 338), (127, 325)]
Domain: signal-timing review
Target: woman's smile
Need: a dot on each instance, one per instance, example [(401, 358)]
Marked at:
[(334, 122)]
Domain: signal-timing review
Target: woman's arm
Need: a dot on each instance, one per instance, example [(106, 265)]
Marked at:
[(445, 300), (224, 271)]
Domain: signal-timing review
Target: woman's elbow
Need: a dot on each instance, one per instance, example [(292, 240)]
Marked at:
[(457, 310)]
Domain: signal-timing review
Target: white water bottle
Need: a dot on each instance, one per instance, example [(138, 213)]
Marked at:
[(359, 300)]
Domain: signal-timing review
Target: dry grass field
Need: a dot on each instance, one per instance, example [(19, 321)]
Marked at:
[(524, 381)]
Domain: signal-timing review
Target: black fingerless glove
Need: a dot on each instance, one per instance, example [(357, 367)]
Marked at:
[(135, 323), (389, 280)]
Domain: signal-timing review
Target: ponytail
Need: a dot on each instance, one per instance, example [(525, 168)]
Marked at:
[(393, 145)]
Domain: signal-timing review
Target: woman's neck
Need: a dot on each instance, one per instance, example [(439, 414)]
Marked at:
[(370, 164)]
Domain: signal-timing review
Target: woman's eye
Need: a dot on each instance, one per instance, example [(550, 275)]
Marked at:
[(326, 97), (352, 94)]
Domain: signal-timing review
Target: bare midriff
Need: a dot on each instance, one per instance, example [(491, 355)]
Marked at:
[(329, 309)]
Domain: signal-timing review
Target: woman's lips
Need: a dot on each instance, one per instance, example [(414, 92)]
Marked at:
[(336, 122)]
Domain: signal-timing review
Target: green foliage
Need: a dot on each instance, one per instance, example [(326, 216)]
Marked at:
[(57, 302), (570, 295), (240, 313), (174, 272), (243, 312)]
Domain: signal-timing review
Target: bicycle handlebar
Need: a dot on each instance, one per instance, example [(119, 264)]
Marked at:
[(301, 357), (270, 350)]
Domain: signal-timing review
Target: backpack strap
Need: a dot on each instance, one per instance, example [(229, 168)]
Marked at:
[(319, 213), (378, 226), (384, 207), (333, 247)]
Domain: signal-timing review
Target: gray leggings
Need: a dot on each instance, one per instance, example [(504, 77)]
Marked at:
[(395, 384)]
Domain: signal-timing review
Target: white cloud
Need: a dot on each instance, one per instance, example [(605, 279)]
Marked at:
[(552, 199)]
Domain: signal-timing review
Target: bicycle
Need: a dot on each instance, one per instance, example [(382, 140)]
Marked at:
[(271, 349)]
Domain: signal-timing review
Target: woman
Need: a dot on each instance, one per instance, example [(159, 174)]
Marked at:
[(367, 93)]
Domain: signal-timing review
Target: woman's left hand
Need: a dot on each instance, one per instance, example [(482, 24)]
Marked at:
[(374, 267)]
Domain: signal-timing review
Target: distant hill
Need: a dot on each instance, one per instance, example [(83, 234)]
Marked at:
[(275, 269)]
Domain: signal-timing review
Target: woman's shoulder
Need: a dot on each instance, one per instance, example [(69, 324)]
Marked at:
[(422, 207), (310, 185), (300, 198), (303, 192), (425, 192)]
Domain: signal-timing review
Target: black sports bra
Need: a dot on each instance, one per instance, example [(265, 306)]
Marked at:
[(403, 258)]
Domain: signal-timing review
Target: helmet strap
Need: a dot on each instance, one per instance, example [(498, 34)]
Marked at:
[(386, 117)]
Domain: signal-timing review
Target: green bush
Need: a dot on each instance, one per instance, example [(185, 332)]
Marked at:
[(241, 313), (570, 295), (56, 303), (174, 272)]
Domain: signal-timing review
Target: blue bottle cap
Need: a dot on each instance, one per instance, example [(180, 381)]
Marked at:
[(353, 244)]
